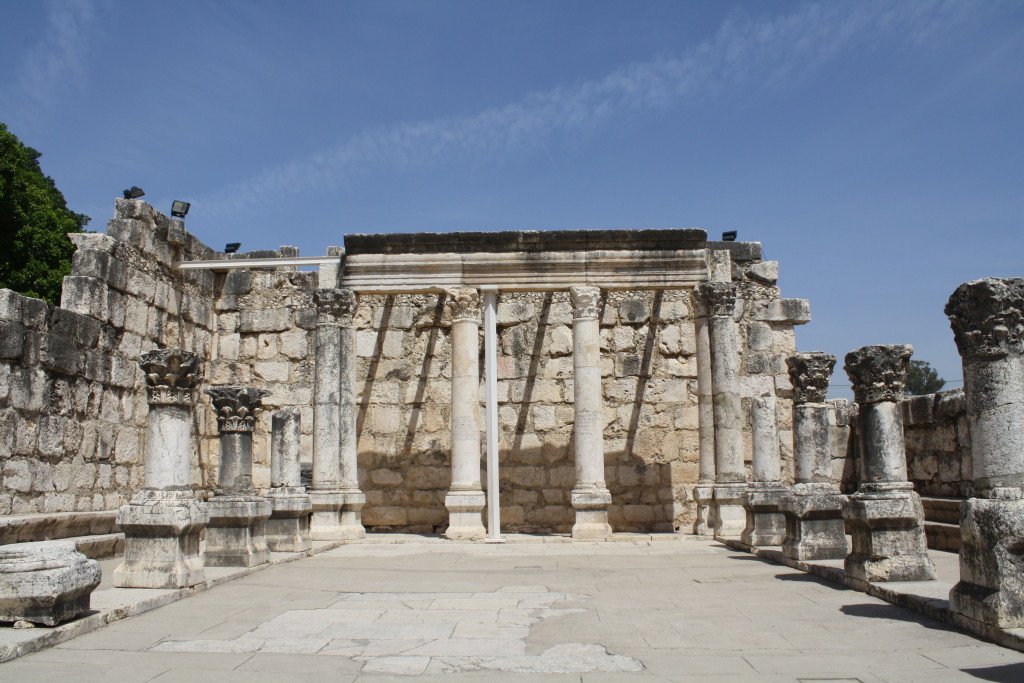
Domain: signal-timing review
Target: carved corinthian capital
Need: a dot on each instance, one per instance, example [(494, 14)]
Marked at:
[(171, 375), (878, 373), (585, 301), (335, 306), (987, 317), (809, 373), (716, 298), (464, 304), (236, 407)]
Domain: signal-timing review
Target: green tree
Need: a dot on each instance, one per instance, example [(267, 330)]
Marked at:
[(922, 379), (35, 252)]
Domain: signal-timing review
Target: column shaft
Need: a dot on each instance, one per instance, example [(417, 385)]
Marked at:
[(168, 437)]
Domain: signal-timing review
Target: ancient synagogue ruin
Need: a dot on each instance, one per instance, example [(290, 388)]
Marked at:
[(186, 409)]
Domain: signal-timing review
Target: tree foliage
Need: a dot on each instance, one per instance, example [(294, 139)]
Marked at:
[(922, 379), (35, 252)]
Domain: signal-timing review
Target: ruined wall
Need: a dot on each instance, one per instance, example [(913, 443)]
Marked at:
[(938, 443)]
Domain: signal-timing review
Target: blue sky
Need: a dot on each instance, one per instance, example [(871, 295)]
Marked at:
[(876, 149)]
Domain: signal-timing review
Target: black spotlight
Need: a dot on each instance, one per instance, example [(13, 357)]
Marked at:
[(232, 247), (729, 236), (179, 209), (133, 192)]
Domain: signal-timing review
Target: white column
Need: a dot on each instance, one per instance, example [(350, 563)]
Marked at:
[(353, 499), (590, 496), (465, 501), (491, 384)]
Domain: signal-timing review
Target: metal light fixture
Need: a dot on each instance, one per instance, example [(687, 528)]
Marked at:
[(133, 192), (232, 247), (179, 209), (729, 236)]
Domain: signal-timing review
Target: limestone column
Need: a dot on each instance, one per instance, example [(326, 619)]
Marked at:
[(332, 306), (719, 299), (987, 317), (590, 496), (814, 509), (766, 526), (353, 499), (164, 521), (885, 516), (703, 492), (465, 500), (236, 534), (288, 526)]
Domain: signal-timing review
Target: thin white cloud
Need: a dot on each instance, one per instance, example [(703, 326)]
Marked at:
[(745, 53), (53, 66)]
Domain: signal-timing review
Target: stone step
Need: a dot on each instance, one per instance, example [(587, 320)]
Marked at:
[(99, 546), (945, 510), (943, 536), (55, 525)]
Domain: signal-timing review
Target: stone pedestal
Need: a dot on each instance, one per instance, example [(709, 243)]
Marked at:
[(729, 516), (590, 496), (236, 534), (766, 526), (703, 498), (814, 508), (163, 522), (885, 516), (288, 527), (987, 317), (45, 583), (465, 500)]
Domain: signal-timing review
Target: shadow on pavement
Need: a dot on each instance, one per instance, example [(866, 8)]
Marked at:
[(1007, 673)]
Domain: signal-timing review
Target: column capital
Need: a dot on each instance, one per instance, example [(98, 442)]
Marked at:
[(717, 299), (878, 373), (585, 301), (464, 304), (987, 317), (809, 373), (335, 306), (171, 375), (236, 407)]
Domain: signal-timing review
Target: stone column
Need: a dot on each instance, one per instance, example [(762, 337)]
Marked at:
[(766, 526), (885, 516), (814, 509), (236, 534), (288, 526), (703, 492), (353, 499), (590, 496), (332, 306), (987, 317), (719, 299), (164, 521), (465, 500)]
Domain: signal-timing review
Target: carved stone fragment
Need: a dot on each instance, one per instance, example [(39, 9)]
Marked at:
[(45, 583)]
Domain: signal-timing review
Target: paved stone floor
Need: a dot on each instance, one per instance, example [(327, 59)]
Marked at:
[(677, 611)]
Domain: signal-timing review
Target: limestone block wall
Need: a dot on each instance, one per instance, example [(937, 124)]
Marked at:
[(938, 444), (72, 416)]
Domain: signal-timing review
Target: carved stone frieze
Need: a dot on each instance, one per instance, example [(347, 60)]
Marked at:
[(586, 301), (878, 373), (464, 304), (987, 317), (717, 298), (810, 373), (236, 407), (335, 306), (171, 375)]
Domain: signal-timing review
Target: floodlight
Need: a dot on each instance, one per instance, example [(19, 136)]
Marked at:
[(179, 209), (133, 192), (729, 236), (232, 247)]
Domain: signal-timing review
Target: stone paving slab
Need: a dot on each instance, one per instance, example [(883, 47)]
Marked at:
[(693, 611)]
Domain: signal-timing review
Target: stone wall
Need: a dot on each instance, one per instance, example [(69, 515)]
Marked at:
[(938, 443)]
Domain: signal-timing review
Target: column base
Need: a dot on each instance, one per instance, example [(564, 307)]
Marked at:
[(161, 540), (351, 515), (288, 527), (46, 582), (591, 506), (236, 534), (730, 517), (465, 515), (991, 587), (325, 522), (815, 529), (766, 526), (705, 523), (888, 537)]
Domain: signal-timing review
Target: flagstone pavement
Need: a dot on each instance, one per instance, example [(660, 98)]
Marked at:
[(690, 610)]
